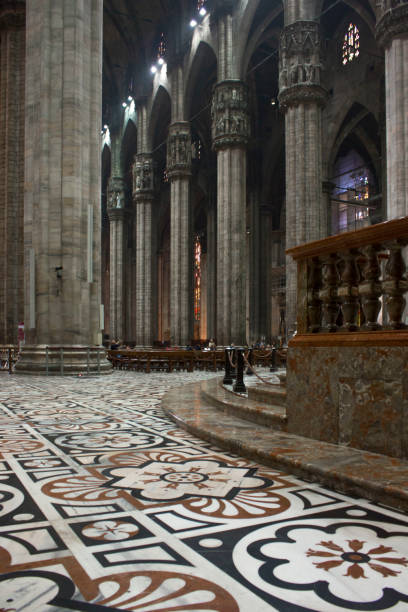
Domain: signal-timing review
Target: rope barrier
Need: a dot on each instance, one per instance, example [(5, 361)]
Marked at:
[(254, 371), (233, 365)]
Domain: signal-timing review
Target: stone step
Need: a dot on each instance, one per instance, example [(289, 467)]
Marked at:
[(282, 377), (268, 394), (260, 413), (376, 477)]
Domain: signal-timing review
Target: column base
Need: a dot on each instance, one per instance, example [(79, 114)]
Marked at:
[(68, 360)]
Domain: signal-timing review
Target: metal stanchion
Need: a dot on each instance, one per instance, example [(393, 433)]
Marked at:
[(227, 376), (46, 360), (273, 367), (234, 368), (98, 357), (62, 361), (239, 386), (87, 360), (10, 361)]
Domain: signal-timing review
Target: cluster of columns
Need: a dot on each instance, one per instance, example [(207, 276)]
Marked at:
[(62, 173)]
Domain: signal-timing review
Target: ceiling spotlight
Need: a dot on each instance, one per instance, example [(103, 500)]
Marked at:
[(202, 11), (105, 127), (193, 23), (130, 98), (153, 69), (273, 101), (160, 61), (124, 104)]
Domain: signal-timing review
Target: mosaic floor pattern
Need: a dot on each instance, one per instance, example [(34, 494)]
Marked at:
[(106, 505)]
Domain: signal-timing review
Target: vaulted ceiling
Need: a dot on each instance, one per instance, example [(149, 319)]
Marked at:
[(131, 33)]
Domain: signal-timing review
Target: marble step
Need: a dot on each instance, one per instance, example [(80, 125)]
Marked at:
[(269, 413), (282, 376), (268, 394), (354, 472)]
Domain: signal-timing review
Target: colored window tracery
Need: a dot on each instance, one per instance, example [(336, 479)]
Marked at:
[(197, 278), (161, 49), (351, 44)]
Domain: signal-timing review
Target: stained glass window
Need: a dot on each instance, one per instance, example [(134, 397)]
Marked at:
[(197, 278), (351, 44)]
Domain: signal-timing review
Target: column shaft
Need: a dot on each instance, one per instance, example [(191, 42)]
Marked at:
[(62, 179), (117, 268), (12, 68), (392, 33), (396, 88), (179, 169), (301, 97), (230, 130), (143, 197)]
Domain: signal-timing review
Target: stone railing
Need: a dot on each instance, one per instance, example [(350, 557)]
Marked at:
[(353, 282)]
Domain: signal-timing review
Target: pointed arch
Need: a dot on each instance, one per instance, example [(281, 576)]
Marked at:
[(355, 170), (160, 115), (128, 150), (204, 62)]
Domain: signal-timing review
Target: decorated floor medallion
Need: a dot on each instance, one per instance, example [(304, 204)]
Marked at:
[(106, 505)]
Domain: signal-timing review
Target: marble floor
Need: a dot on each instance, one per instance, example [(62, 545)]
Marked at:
[(106, 505)]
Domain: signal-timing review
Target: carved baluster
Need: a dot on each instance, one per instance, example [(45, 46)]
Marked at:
[(314, 304), (348, 290), (328, 292), (370, 288), (395, 285)]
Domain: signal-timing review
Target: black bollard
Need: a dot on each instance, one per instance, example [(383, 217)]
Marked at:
[(227, 376), (249, 371), (273, 367), (239, 386)]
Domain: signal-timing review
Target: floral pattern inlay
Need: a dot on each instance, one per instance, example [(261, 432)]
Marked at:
[(358, 557)]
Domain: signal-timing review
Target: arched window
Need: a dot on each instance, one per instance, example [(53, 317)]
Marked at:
[(197, 278), (351, 44)]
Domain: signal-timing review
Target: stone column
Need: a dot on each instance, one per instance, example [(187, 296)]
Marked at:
[(143, 196), (230, 131), (117, 216), (266, 262), (301, 97), (62, 186), (392, 34), (12, 68), (179, 171), (211, 267)]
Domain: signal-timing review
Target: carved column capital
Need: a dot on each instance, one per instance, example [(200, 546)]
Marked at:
[(300, 64), (143, 176), (116, 193), (229, 113), (179, 149), (392, 20), (12, 14)]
